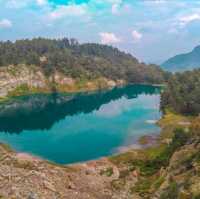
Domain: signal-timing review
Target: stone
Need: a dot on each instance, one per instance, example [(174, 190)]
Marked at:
[(32, 196), (49, 186)]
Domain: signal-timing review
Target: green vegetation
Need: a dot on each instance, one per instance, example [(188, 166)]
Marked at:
[(24, 89), (152, 159), (150, 180), (20, 90), (142, 187), (80, 61), (182, 94)]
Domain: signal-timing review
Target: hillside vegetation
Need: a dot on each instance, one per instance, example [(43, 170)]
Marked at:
[(183, 93), (83, 61)]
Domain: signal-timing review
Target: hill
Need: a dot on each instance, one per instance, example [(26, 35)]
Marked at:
[(183, 62), (77, 60), (40, 65)]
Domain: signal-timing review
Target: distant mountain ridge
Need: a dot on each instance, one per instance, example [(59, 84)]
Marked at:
[(182, 62)]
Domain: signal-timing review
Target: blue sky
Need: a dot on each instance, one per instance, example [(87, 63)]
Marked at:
[(152, 30)]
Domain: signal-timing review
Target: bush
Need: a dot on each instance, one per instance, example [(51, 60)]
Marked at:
[(151, 166)]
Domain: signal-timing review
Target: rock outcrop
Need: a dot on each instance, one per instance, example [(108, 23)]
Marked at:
[(24, 80), (23, 176), (13, 77), (181, 178)]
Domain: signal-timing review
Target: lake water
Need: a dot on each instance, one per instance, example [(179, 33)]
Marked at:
[(73, 128)]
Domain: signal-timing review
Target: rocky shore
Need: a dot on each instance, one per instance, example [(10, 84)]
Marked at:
[(24, 176)]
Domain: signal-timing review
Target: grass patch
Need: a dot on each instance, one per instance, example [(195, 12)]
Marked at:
[(128, 157), (19, 90), (150, 160), (196, 197), (142, 187), (24, 89), (158, 182), (170, 122)]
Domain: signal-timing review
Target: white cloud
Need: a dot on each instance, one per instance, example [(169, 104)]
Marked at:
[(17, 3), (41, 2), (25, 3), (110, 1), (109, 38), (68, 10), (159, 1), (188, 19), (119, 9), (116, 4), (115, 8), (5, 23), (137, 36), (115, 108)]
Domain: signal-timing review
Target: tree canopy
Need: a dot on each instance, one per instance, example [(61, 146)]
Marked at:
[(78, 60), (183, 93)]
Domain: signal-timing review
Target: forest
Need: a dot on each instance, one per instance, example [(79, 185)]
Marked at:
[(88, 61), (182, 94)]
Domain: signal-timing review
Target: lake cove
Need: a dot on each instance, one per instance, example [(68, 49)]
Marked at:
[(80, 127)]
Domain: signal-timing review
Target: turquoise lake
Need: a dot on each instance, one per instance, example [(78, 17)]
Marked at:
[(74, 128)]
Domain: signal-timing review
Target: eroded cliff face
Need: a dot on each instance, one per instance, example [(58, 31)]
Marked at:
[(13, 77), (22, 80)]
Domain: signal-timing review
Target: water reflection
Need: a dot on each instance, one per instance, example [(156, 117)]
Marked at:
[(43, 111), (115, 108)]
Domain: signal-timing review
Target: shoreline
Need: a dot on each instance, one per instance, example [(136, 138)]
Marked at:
[(119, 151), (71, 92)]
